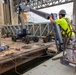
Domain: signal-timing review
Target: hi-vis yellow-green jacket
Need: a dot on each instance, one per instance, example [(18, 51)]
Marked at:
[(64, 25)]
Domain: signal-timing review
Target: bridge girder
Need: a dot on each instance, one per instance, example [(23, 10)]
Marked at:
[(39, 4)]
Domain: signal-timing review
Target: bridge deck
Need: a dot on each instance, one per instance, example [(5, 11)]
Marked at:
[(51, 67), (12, 58)]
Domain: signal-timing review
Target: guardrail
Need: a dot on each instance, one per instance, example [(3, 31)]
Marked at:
[(37, 29)]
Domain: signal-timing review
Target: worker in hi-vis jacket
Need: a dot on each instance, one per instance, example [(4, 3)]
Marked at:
[(65, 25)]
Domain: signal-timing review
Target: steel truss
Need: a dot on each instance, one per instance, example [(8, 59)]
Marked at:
[(37, 29), (38, 4)]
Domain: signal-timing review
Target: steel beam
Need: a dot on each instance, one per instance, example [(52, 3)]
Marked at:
[(38, 4)]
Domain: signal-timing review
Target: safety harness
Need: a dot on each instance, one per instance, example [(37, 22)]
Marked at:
[(70, 26), (67, 35)]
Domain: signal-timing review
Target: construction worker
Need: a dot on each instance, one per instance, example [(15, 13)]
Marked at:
[(65, 25)]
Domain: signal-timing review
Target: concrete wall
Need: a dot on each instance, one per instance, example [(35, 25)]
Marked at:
[(14, 16), (5, 17), (74, 12), (1, 13)]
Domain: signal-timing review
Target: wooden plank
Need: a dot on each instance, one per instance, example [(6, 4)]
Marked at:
[(14, 63), (35, 50), (6, 57)]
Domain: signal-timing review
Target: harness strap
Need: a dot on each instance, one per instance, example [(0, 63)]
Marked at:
[(71, 29)]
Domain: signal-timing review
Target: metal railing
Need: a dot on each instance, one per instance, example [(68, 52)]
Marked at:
[(37, 29)]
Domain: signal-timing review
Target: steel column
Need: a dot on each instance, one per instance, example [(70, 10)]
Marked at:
[(74, 13)]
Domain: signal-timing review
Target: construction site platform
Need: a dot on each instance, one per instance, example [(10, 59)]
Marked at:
[(20, 53), (52, 67)]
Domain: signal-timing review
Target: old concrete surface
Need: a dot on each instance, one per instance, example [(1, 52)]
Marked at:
[(51, 67)]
